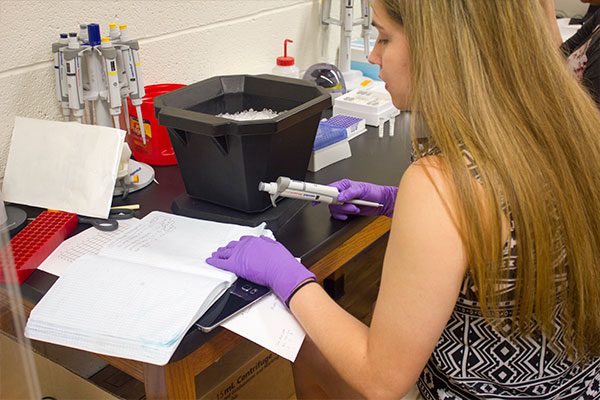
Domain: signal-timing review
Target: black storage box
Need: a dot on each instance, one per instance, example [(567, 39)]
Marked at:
[(223, 160)]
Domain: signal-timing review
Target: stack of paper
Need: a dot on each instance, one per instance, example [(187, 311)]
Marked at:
[(138, 297), (63, 166)]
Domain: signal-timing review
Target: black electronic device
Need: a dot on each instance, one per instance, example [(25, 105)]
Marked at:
[(241, 294)]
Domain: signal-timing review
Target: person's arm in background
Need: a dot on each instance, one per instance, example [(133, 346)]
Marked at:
[(549, 8), (581, 35), (594, 6), (591, 75)]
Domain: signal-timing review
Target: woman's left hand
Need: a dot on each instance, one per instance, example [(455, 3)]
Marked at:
[(264, 261)]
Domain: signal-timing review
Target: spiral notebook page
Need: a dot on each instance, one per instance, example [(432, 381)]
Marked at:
[(143, 316), (178, 243), (139, 295), (90, 241)]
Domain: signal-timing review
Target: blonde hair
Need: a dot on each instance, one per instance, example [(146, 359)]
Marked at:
[(486, 77)]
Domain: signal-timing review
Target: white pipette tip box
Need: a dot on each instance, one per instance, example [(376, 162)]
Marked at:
[(371, 103), (331, 142), (329, 155)]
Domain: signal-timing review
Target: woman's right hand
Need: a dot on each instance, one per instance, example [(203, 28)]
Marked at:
[(350, 190)]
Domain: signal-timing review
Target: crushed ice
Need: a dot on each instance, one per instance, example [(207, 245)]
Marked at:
[(250, 114)]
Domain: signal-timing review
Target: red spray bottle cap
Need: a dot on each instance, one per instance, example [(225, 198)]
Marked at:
[(285, 61)]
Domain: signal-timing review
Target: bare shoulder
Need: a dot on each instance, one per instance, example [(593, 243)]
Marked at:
[(429, 167), (428, 193), (426, 176), (425, 211)]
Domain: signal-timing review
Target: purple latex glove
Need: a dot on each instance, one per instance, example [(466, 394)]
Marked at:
[(264, 261), (350, 190)]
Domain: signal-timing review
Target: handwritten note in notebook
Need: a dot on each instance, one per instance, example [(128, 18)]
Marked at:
[(90, 241), (141, 293)]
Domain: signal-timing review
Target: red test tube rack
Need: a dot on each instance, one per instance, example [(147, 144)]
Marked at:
[(37, 240)]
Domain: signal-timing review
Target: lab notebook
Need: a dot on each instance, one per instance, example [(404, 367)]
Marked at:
[(138, 297)]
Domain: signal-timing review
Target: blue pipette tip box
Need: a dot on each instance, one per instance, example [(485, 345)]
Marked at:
[(336, 129)]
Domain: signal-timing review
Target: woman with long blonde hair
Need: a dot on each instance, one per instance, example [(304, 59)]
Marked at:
[(491, 278)]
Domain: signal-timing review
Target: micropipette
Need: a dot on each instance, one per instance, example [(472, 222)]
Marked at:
[(134, 74), (59, 75), (347, 16), (109, 55), (286, 187), (94, 81), (366, 24), (113, 32), (115, 36), (83, 33), (74, 83)]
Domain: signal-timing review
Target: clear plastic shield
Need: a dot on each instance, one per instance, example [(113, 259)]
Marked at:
[(18, 374)]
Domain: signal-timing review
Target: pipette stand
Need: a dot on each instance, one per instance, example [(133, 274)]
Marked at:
[(347, 22), (94, 77)]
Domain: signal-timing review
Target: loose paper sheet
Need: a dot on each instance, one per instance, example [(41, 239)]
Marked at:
[(270, 324), (63, 166)]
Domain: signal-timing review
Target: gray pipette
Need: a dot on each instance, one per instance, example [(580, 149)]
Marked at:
[(130, 51), (73, 72), (286, 187), (60, 75)]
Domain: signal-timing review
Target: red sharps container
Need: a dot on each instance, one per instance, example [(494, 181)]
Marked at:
[(158, 149)]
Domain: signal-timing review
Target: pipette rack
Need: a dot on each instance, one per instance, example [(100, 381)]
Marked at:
[(34, 243)]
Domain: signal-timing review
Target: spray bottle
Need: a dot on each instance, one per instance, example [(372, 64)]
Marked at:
[(286, 64)]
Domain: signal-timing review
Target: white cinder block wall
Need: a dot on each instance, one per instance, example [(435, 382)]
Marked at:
[(181, 41)]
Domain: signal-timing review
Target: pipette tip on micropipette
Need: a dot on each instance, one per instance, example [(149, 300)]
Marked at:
[(363, 203), (138, 109)]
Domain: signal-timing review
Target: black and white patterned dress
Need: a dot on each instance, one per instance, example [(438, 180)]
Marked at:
[(474, 360)]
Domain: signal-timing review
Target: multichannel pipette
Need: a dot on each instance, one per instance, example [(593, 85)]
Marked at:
[(286, 187)]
